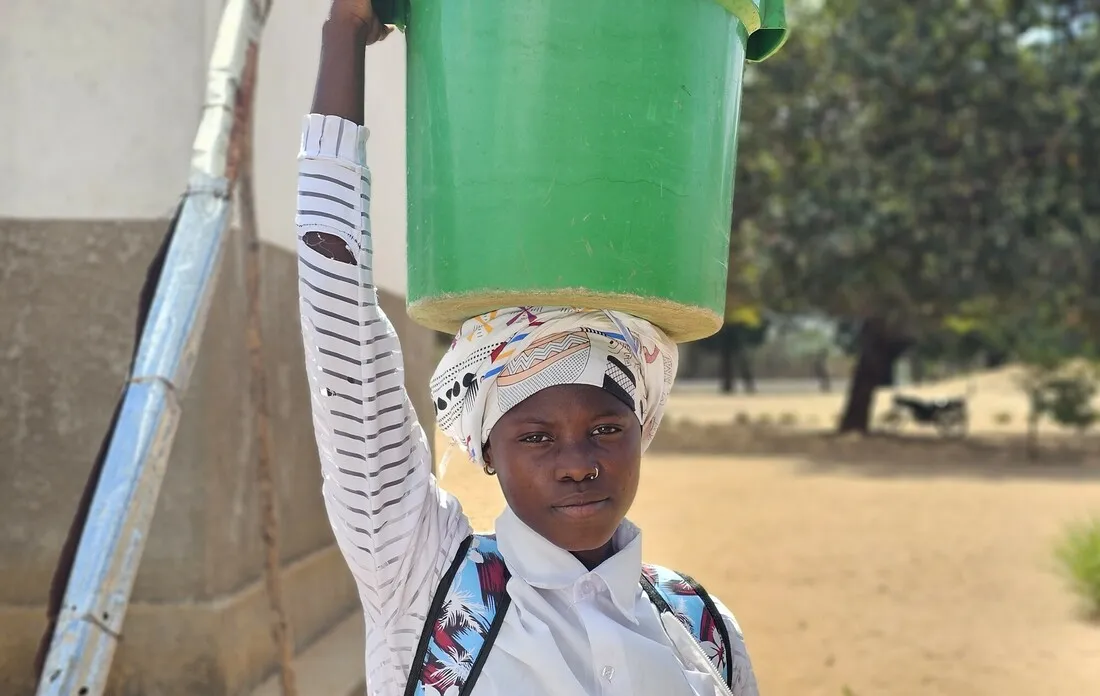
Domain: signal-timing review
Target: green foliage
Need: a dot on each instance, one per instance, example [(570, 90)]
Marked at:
[(932, 165), (1060, 390), (1065, 396), (1078, 557), (1070, 403), (806, 336)]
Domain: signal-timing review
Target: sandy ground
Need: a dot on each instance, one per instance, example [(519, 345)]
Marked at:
[(997, 403), (871, 567)]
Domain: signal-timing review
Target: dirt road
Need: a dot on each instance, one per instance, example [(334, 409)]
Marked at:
[(898, 579)]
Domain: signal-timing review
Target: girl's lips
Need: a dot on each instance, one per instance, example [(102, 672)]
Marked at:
[(583, 509)]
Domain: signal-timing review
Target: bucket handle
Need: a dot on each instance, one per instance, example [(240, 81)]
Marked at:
[(767, 22), (766, 40)]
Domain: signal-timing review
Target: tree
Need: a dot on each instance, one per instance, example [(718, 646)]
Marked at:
[(810, 337), (901, 160)]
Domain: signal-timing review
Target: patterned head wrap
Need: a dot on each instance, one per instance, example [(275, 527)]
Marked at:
[(499, 359)]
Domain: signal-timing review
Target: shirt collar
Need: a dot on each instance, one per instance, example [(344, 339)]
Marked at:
[(543, 565)]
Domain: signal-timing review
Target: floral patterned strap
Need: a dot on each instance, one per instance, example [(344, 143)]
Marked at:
[(686, 599), (469, 607), (463, 621)]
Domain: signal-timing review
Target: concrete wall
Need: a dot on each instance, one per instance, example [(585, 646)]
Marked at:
[(106, 100), (101, 101), (199, 622)]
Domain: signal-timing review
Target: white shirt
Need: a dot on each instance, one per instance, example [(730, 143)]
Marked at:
[(568, 631)]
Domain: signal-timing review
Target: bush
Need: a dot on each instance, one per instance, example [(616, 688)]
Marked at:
[(1069, 401), (788, 420), (1003, 418), (1063, 393), (1078, 555)]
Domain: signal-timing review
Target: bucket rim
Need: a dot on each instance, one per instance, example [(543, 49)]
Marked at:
[(764, 22)]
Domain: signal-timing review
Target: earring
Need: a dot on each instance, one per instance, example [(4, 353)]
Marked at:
[(489, 471)]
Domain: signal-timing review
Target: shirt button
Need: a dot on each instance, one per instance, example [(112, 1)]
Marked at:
[(587, 588), (608, 672)]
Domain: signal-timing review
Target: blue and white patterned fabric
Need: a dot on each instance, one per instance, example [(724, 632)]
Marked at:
[(464, 621), (691, 604)]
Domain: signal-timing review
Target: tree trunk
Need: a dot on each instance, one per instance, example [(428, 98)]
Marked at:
[(725, 357), (878, 352), (821, 371), (995, 359)]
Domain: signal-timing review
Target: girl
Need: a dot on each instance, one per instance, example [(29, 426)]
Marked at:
[(558, 403)]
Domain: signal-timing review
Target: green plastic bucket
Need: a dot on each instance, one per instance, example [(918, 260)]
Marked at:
[(571, 152)]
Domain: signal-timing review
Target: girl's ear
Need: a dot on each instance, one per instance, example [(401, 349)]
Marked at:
[(488, 457)]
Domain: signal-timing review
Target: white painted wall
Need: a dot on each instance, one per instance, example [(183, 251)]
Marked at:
[(99, 102)]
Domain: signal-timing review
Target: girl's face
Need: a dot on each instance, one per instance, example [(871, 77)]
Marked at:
[(545, 452)]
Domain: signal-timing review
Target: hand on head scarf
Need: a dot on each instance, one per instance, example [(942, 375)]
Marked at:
[(500, 358)]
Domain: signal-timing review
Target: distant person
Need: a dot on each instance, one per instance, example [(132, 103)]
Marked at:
[(559, 403)]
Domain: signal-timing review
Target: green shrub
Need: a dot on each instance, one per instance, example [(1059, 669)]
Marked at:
[(1070, 401), (1078, 555), (1003, 418)]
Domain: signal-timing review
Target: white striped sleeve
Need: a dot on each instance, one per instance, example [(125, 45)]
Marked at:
[(396, 528)]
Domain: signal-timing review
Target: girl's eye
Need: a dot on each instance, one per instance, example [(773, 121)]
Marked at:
[(606, 430), (535, 438)]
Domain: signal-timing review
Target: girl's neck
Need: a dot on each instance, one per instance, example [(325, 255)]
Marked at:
[(595, 557)]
